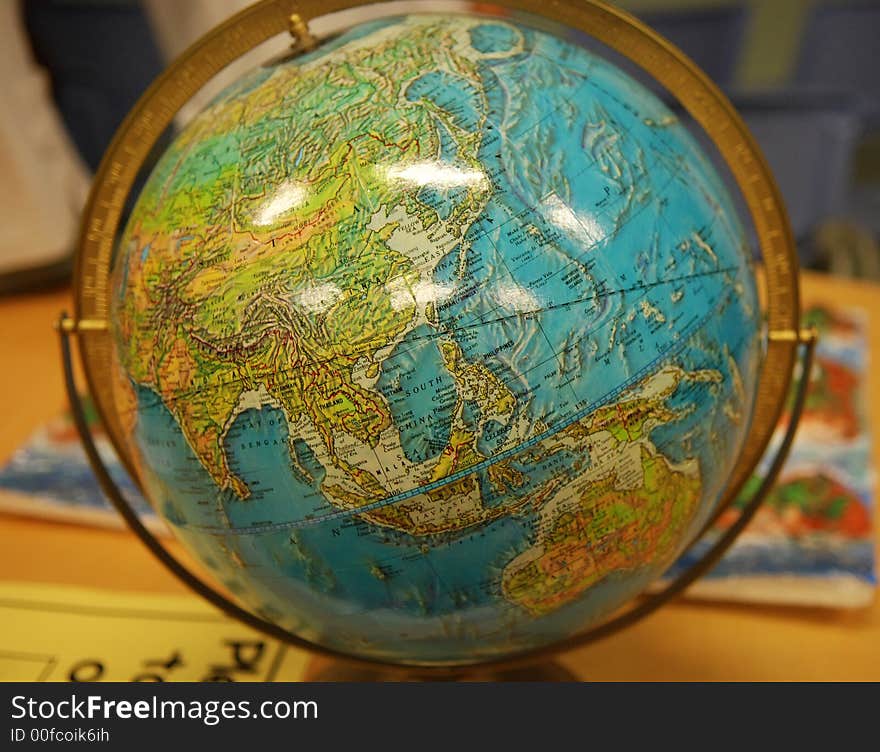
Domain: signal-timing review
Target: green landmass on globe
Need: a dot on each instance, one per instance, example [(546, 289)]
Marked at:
[(437, 343)]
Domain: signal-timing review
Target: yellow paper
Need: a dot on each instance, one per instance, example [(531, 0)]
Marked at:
[(62, 633)]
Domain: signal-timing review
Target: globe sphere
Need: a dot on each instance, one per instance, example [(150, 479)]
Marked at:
[(437, 343)]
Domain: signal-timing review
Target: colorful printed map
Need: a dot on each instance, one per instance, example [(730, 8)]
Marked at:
[(438, 342)]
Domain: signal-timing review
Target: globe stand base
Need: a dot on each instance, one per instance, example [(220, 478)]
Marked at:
[(321, 669)]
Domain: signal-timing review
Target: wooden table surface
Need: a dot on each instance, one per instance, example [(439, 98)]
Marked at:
[(686, 640)]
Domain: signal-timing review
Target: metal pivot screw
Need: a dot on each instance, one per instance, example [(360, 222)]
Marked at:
[(303, 41)]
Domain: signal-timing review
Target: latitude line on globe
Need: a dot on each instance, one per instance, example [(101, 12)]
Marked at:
[(527, 210), (572, 261), (540, 326), (311, 521), (599, 295)]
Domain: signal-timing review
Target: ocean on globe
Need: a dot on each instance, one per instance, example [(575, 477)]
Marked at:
[(438, 343)]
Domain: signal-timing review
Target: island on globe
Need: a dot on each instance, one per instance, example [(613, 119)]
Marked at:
[(438, 343)]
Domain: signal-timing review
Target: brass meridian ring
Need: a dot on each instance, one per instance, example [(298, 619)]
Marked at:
[(612, 27)]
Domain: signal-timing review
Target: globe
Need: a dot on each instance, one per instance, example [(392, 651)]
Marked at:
[(437, 343)]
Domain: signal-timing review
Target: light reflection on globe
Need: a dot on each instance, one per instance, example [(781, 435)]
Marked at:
[(438, 343)]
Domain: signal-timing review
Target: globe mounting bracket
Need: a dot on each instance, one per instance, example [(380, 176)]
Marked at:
[(72, 326), (303, 41)]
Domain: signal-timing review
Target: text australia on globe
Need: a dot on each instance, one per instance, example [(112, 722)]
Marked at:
[(437, 343)]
